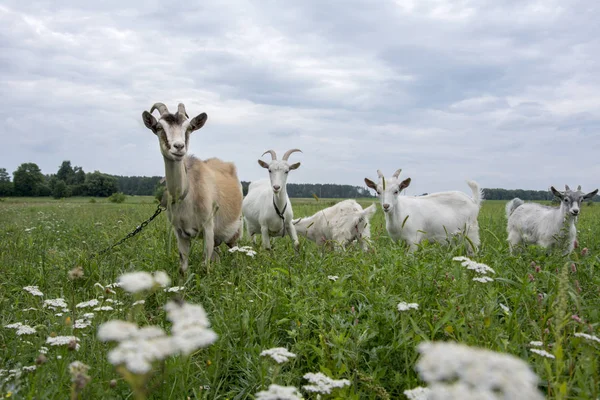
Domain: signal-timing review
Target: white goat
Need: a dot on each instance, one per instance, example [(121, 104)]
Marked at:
[(204, 197), (341, 224), (543, 225), (267, 208), (434, 216)]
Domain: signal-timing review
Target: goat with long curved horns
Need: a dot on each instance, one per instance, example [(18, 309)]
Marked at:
[(267, 208), (204, 196)]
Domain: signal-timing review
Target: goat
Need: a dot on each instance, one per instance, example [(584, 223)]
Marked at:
[(533, 223), (434, 216), (204, 196), (342, 223), (267, 208)]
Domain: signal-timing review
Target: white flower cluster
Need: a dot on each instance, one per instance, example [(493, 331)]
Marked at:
[(83, 322), (323, 384), (138, 347), (134, 282), (588, 337), (536, 343), (277, 392), (457, 371), (333, 277), (244, 249), (21, 329), (418, 393), (504, 308), (279, 354), (63, 341), (174, 289), (542, 353), (89, 303), (477, 267), (55, 304), (34, 290), (404, 306)]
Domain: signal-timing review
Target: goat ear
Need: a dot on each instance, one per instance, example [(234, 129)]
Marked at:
[(263, 164), (404, 184), (557, 193), (295, 166), (567, 188), (370, 184), (590, 194), (149, 121), (198, 122)]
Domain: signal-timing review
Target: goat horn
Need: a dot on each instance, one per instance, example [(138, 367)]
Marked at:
[(181, 110), (272, 153), (287, 153), (162, 109), (397, 173), (379, 173)]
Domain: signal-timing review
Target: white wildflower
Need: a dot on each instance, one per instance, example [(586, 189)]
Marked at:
[(418, 393), (404, 306), (54, 304), (135, 303), (63, 341), (191, 328), (138, 352), (244, 249), (333, 277), (279, 354), (43, 350), (89, 303), (115, 302), (536, 343), (21, 329), (475, 373), (175, 289), (34, 290), (30, 368), (116, 330), (542, 353), (483, 279), (323, 384), (474, 266), (162, 279), (504, 308), (30, 309), (588, 337), (104, 308), (277, 392), (135, 282), (82, 323), (59, 314)]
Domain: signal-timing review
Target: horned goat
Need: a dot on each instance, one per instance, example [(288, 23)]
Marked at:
[(204, 196), (341, 224), (267, 208), (533, 223), (434, 216)]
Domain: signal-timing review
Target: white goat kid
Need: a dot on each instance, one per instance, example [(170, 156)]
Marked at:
[(434, 217), (341, 224), (533, 223), (204, 197), (267, 208)]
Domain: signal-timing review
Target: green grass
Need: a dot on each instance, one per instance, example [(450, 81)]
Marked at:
[(349, 329)]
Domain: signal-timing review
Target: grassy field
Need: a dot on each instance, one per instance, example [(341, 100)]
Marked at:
[(348, 328)]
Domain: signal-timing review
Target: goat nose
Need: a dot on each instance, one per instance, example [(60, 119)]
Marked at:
[(178, 146), (276, 187), (386, 206)]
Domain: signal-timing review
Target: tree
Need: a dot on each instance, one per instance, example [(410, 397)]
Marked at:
[(99, 184), (27, 179), (65, 172), (6, 186), (61, 190)]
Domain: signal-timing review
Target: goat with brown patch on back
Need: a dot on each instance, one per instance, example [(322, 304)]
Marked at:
[(204, 196)]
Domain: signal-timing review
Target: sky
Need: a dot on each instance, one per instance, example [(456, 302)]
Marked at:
[(506, 93)]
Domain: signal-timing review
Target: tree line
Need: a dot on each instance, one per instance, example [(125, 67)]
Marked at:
[(28, 180)]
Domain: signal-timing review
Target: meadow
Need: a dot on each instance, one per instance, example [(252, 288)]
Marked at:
[(347, 327)]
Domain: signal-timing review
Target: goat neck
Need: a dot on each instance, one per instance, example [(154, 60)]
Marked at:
[(177, 181), (280, 199)]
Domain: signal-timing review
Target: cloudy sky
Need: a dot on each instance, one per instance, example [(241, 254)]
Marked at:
[(503, 92)]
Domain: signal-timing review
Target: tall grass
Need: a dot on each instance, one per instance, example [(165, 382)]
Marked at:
[(349, 328)]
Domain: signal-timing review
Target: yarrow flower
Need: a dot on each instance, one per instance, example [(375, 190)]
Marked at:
[(89, 303), (279, 354), (536, 343), (116, 330), (104, 308), (135, 282), (404, 306), (542, 353), (323, 384), (191, 328), (333, 277), (63, 341), (21, 329), (483, 279), (418, 393), (174, 289), (474, 266), (244, 249), (137, 353), (55, 304), (588, 337), (34, 290), (277, 392), (455, 371)]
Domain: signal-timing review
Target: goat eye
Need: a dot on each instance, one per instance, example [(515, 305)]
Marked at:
[(396, 192), (287, 172)]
